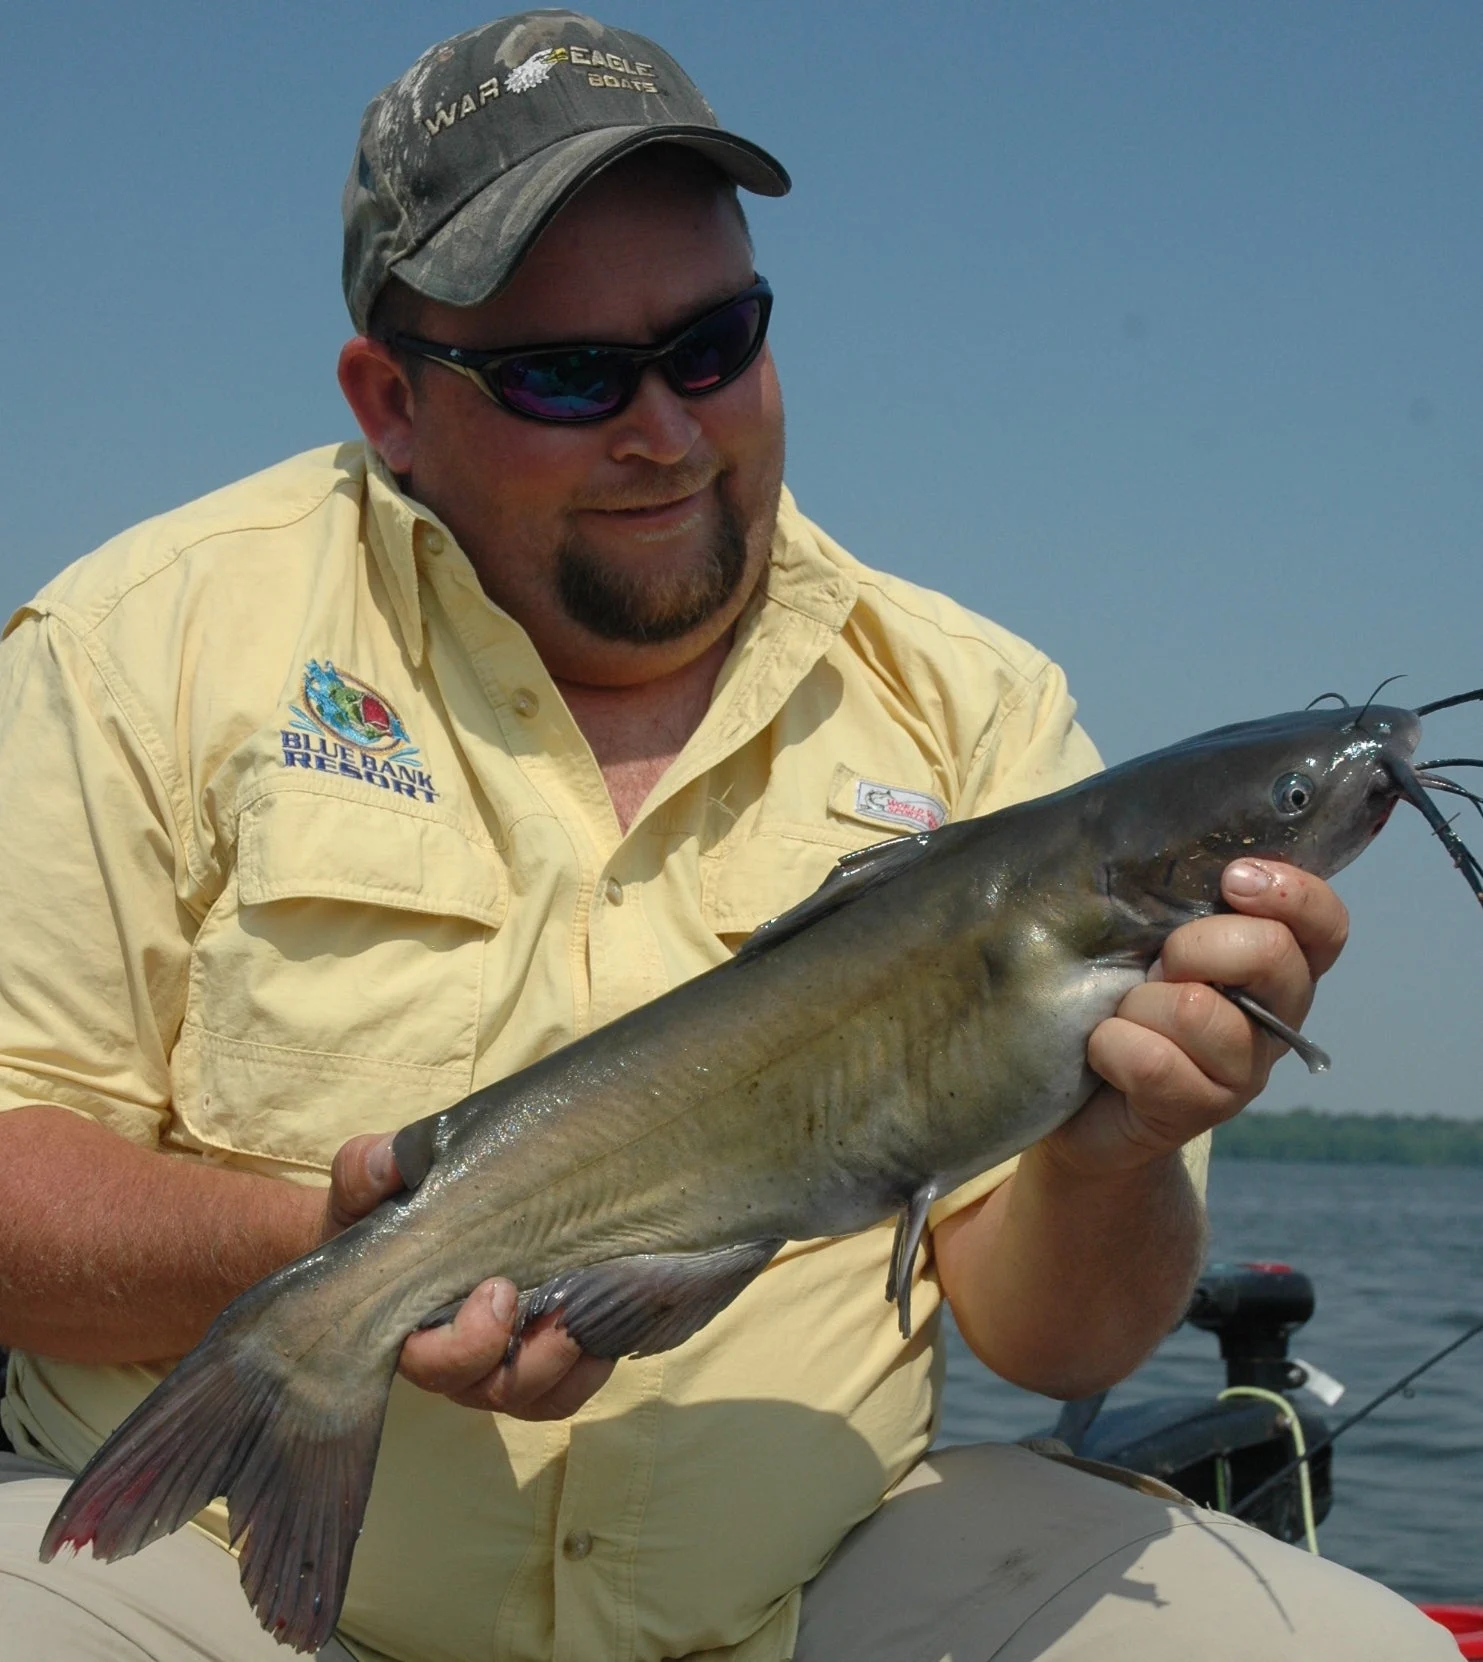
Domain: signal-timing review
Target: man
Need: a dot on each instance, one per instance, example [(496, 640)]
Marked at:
[(371, 779)]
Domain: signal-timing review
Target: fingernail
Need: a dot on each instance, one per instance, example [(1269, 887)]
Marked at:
[(1246, 878), (502, 1302), (378, 1163)]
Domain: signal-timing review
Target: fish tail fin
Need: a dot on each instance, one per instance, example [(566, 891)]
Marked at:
[(293, 1453)]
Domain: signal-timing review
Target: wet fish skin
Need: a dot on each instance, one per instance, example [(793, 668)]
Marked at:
[(922, 1016)]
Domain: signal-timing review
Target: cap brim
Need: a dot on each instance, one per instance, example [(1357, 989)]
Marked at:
[(473, 255)]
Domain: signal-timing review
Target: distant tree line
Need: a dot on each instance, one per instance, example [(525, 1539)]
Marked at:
[(1372, 1139)]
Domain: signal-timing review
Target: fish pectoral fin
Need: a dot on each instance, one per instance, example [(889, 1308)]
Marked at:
[(1316, 1059), (854, 875), (911, 1221), (650, 1302)]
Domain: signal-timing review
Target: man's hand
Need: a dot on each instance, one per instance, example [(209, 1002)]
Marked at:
[(1067, 1276), (550, 1376), (1179, 1057)]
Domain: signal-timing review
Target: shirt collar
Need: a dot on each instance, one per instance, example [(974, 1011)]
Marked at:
[(394, 525), (807, 573)]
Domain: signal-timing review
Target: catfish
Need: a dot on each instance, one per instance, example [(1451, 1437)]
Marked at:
[(919, 1018)]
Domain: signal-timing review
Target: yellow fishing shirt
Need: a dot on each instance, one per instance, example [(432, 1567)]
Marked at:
[(301, 841)]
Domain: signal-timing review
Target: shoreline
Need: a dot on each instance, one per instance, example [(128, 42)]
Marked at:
[(1305, 1134)]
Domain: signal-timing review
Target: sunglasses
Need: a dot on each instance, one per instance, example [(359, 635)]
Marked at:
[(591, 383)]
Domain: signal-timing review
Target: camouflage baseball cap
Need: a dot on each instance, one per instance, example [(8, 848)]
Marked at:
[(467, 158)]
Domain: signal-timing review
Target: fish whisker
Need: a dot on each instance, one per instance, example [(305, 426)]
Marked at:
[(1413, 789), (1447, 703), (1358, 721), (1338, 698), (1435, 782)]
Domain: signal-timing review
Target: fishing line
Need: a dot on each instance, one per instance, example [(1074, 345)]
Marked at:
[(1369, 1408)]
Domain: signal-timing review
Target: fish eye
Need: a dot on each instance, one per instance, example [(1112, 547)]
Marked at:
[(1293, 795)]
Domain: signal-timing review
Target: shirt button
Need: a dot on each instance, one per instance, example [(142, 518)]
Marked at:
[(614, 891), (525, 702), (578, 1544), (433, 540)]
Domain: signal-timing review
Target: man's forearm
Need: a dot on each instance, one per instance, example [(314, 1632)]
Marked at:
[(114, 1253), (1064, 1283)]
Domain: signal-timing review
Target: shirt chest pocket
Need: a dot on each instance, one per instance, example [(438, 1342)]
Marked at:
[(335, 987), (764, 875)]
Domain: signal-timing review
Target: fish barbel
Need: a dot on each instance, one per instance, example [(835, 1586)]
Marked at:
[(636, 1180)]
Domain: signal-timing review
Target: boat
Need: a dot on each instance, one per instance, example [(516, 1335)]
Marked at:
[(1254, 1449)]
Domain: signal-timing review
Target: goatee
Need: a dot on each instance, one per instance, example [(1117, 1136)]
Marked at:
[(620, 605)]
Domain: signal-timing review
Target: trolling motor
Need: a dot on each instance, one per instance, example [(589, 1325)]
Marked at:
[(1254, 1309), (1219, 1450)]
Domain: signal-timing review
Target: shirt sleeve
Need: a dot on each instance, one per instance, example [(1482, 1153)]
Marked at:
[(94, 969), (1032, 746)]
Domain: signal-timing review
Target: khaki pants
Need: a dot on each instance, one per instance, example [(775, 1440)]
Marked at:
[(991, 1552), (981, 1553)]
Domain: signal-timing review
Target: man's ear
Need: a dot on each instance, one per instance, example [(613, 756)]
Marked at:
[(380, 395)]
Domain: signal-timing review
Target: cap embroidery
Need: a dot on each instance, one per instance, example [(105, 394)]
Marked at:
[(536, 68), (621, 75), (447, 114)]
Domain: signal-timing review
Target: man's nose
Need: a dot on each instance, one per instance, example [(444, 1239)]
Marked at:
[(658, 426)]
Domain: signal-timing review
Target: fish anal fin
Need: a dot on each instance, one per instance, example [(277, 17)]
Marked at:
[(911, 1222), (856, 874), (650, 1302)]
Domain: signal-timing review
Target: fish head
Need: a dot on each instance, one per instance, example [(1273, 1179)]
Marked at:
[(1311, 788)]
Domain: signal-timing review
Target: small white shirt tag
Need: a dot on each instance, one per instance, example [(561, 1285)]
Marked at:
[(897, 807)]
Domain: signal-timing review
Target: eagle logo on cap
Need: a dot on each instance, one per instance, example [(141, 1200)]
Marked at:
[(536, 68)]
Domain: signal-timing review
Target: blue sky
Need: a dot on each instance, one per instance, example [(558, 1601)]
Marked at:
[(1150, 329)]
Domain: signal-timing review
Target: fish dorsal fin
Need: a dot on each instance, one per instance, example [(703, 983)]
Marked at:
[(650, 1302), (852, 876)]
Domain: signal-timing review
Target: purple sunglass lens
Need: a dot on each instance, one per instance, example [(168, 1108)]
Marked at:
[(717, 346), (566, 386)]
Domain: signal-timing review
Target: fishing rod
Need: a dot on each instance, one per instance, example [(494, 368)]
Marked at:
[(1363, 1413)]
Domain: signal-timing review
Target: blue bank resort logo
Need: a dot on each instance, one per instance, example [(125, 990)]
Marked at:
[(346, 728)]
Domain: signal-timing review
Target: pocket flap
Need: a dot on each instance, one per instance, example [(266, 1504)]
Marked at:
[(310, 845), (761, 878)]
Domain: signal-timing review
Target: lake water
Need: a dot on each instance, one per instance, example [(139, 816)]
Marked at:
[(1396, 1259)]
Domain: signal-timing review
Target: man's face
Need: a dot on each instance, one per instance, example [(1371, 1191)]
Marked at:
[(625, 547)]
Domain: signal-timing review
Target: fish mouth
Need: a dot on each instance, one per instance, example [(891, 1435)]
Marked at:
[(1385, 801), (1397, 732)]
